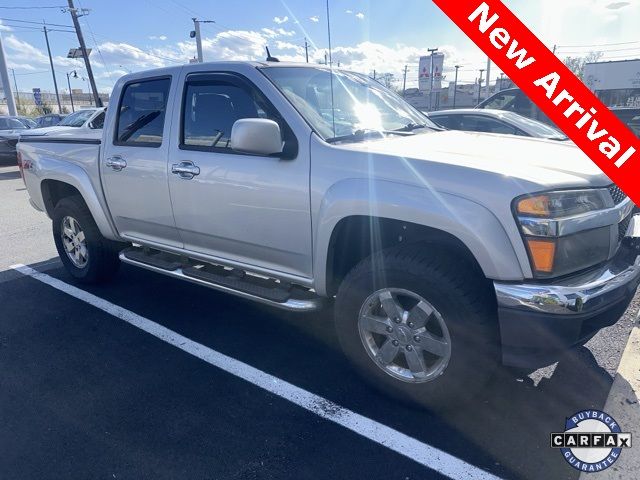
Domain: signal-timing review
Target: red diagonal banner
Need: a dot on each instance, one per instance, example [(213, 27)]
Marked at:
[(551, 86)]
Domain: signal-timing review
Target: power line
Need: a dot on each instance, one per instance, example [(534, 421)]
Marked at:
[(598, 45), (35, 23), (32, 8), (34, 73)]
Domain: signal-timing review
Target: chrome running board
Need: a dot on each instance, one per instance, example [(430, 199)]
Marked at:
[(308, 303)]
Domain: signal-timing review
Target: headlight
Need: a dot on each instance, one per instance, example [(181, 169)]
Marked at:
[(551, 226), (564, 203)]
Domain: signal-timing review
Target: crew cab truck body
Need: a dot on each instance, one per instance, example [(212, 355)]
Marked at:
[(446, 252)]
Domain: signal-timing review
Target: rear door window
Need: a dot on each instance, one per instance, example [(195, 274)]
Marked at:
[(141, 114), (473, 123), (447, 121)]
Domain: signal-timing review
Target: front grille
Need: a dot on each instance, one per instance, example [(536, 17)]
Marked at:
[(623, 226), (617, 195)]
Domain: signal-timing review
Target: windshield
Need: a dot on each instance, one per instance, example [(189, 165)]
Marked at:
[(11, 124), (27, 122), (76, 119), (534, 127), (359, 103)]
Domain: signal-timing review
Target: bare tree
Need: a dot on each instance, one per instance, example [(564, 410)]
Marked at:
[(576, 64)]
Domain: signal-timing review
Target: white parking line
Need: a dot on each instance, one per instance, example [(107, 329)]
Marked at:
[(405, 445)]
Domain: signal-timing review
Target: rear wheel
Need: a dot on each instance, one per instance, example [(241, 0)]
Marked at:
[(420, 324), (85, 253)]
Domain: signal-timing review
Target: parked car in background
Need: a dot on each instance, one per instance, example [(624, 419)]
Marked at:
[(86, 119), (49, 120), (515, 100), (495, 121), (28, 122), (10, 130), (630, 117)]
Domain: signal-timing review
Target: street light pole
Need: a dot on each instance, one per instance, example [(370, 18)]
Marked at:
[(431, 51), (404, 81), (480, 84), (455, 86), (15, 84), (75, 75), (4, 77)]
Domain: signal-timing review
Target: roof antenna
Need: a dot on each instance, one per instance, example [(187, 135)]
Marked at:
[(269, 57)]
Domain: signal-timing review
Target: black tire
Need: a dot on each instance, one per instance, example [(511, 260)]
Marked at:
[(102, 262), (460, 294)]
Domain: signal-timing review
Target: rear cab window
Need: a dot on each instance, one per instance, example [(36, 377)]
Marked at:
[(141, 113)]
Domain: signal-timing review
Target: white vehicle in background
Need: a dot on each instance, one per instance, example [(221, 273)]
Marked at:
[(495, 121), (87, 119)]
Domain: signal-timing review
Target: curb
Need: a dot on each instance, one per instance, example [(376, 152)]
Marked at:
[(623, 404)]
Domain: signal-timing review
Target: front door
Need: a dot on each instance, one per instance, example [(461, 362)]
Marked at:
[(249, 209), (134, 163)]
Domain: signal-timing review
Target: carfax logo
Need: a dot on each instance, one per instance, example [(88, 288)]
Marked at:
[(592, 441)]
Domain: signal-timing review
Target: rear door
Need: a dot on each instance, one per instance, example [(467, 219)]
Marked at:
[(134, 162), (246, 209)]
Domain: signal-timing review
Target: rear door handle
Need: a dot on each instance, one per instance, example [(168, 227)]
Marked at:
[(186, 170), (117, 163)]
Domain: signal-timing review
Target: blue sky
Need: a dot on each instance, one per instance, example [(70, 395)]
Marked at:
[(366, 34)]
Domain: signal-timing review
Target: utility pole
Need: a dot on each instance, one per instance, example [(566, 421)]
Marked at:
[(306, 49), (15, 84), (374, 73), (488, 77), (53, 72), (480, 84), (196, 29), (83, 48), (431, 51), (501, 79), (404, 81), (554, 49), (4, 79), (75, 75), (195, 33), (455, 86)]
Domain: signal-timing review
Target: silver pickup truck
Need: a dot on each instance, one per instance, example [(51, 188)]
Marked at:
[(443, 253)]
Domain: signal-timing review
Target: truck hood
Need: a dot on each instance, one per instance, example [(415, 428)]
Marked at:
[(543, 163), (11, 134), (36, 132)]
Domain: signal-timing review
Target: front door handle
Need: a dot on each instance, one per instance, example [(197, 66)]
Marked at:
[(186, 170), (117, 163)]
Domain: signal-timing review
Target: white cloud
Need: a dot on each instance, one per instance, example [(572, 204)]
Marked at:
[(360, 15), (158, 37), (286, 33), (5, 28), (315, 19), (280, 20), (617, 5), (349, 12)]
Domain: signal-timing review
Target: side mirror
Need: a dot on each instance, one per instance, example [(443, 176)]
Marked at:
[(258, 136)]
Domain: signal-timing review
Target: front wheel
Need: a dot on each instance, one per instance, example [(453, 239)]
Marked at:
[(419, 324), (85, 253)]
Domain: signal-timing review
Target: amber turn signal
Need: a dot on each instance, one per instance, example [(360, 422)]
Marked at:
[(538, 205), (542, 254)]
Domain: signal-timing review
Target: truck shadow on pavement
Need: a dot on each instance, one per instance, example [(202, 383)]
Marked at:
[(505, 429)]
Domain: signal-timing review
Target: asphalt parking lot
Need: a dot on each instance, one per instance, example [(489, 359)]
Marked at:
[(85, 394)]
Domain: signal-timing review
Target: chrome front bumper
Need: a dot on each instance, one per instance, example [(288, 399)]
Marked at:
[(580, 294), (538, 321)]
